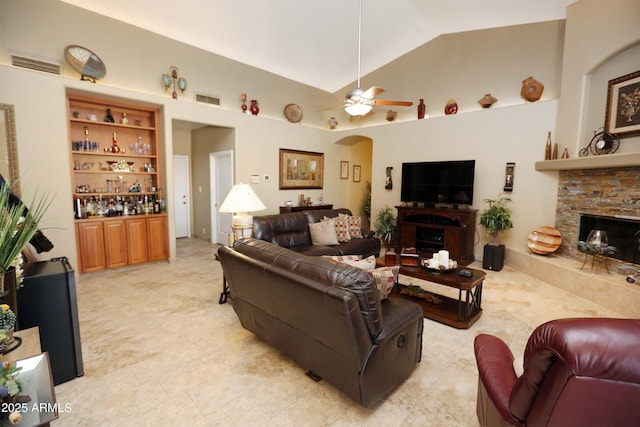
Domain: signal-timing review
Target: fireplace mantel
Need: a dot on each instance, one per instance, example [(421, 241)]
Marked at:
[(619, 160)]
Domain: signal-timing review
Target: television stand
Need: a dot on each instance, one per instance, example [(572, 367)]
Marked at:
[(430, 229)]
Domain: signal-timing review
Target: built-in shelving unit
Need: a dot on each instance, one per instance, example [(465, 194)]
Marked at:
[(116, 171)]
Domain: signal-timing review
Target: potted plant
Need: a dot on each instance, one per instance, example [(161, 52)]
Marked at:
[(18, 224), (495, 219), (385, 225)]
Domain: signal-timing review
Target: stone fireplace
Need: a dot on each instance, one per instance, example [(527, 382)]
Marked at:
[(610, 194)]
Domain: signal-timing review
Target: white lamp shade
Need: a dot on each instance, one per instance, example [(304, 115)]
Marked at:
[(241, 199), (358, 109)]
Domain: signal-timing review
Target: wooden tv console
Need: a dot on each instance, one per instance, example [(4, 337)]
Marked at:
[(432, 229)]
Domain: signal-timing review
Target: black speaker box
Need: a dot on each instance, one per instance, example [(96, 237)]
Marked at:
[(493, 258)]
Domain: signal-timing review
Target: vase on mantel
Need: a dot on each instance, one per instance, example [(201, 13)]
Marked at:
[(422, 109), (254, 107)]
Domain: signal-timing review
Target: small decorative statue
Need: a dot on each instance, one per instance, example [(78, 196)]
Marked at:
[(109, 117)]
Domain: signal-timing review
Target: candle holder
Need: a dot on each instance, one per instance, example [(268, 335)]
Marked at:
[(597, 247)]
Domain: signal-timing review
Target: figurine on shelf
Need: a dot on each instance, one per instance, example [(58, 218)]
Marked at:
[(243, 98), (109, 117), (125, 120)]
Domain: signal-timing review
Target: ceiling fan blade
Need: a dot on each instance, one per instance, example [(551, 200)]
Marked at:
[(372, 92), (333, 106), (388, 102)]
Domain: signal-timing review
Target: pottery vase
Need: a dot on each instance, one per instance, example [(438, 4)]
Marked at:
[(333, 123), (422, 109), (451, 107), (487, 100), (254, 108), (531, 89)]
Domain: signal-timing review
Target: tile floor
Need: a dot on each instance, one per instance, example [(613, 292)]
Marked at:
[(159, 350)]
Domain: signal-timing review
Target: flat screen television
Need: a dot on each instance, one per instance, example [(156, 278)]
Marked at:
[(442, 182)]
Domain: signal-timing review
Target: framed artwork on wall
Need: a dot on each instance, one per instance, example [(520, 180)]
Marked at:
[(301, 169), (623, 106), (357, 171), (344, 170)]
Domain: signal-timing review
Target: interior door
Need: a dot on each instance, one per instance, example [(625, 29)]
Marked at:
[(221, 164), (181, 202)]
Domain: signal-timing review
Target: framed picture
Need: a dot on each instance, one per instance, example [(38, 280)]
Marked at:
[(301, 169), (623, 106), (357, 171), (344, 170)]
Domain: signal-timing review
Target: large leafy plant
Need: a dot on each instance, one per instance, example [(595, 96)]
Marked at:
[(18, 224)]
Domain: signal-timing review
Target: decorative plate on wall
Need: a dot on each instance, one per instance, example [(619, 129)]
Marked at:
[(87, 63), (293, 113)]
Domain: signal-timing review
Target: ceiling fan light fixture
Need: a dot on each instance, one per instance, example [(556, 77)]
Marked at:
[(357, 109)]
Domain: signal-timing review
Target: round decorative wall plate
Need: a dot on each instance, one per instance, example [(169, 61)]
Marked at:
[(85, 62), (293, 113)]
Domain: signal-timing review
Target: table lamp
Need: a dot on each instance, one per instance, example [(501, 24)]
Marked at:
[(240, 201)]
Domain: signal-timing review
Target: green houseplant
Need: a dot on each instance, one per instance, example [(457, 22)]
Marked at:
[(385, 225), (496, 218), (18, 224)]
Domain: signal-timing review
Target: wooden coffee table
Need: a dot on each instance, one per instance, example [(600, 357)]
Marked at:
[(460, 313)]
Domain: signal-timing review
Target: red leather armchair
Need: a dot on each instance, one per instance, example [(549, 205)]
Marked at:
[(577, 372)]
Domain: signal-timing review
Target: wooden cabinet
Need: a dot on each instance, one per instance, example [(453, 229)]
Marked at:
[(90, 244), (117, 242), (137, 237), (432, 229), (157, 238), (116, 169)]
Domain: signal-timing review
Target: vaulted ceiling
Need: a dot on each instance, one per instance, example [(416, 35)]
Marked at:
[(316, 42)]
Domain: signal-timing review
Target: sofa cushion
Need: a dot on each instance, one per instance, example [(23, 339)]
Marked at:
[(384, 278), (368, 263), (355, 227), (324, 270), (288, 230), (323, 233), (342, 227)]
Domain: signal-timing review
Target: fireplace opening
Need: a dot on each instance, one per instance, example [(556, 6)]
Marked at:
[(620, 231)]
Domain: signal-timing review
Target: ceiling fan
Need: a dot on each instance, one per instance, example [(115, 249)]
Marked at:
[(359, 102)]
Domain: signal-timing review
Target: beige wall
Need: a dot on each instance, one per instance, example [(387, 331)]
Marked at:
[(596, 33), (461, 66)]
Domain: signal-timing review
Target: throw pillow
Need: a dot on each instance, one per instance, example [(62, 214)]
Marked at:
[(342, 228), (365, 264), (384, 278), (344, 257), (355, 227), (323, 233)]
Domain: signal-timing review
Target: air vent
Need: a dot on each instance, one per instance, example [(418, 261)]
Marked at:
[(207, 99), (35, 64)]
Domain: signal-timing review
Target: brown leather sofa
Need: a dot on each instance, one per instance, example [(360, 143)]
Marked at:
[(577, 372), (326, 316), (291, 230)]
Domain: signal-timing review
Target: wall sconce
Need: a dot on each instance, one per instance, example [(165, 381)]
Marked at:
[(509, 175), (180, 82)]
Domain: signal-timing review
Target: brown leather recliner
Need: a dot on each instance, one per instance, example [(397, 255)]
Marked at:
[(577, 372)]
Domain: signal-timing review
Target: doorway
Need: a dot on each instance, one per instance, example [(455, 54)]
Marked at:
[(221, 177), (182, 196)]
